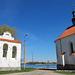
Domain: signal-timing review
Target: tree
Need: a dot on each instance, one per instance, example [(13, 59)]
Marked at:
[(4, 28)]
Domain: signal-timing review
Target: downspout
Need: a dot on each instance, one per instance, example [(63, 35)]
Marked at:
[(63, 58)]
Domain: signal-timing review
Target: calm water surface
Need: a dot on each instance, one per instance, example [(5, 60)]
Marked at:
[(40, 66)]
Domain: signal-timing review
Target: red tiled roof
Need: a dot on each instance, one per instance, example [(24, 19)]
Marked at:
[(10, 40), (67, 32)]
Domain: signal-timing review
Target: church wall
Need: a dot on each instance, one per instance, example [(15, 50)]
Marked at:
[(58, 51), (69, 59), (9, 61)]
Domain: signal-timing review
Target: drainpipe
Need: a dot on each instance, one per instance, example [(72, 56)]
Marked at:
[(63, 58)]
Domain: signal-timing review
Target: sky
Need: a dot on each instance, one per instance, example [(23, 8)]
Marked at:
[(43, 20)]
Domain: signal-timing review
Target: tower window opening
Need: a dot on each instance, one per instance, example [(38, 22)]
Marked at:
[(71, 45)]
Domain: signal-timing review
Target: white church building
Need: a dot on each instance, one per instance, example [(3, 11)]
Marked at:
[(10, 53), (65, 47)]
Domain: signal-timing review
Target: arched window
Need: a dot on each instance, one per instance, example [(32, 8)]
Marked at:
[(5, 48), (14, 50), (71, 46)]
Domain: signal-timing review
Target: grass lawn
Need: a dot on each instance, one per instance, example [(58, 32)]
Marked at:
[(66, 73), (22, 70)]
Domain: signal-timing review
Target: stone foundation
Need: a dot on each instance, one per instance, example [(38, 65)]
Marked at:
[(66, 67), (9, 68)]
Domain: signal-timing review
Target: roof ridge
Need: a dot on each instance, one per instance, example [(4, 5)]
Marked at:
[(17, 41)]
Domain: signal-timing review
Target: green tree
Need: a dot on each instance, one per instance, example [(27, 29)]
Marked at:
[(4, 28)]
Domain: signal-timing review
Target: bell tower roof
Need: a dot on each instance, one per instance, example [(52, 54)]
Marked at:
[(73, 19)]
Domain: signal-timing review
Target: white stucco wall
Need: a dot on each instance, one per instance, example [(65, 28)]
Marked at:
[(7, 35), (65, 45), (8, 61)]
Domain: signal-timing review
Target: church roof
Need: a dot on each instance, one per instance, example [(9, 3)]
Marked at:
[(10, 40), (69, 31)]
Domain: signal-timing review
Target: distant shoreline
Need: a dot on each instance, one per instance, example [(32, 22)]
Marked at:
[(39, 64), (44, 64)]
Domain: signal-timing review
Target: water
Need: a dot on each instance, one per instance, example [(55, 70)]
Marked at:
[(40, 66)]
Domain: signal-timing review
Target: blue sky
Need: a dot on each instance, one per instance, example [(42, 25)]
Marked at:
[(43, 20)]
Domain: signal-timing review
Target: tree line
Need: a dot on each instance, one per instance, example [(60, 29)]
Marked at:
[(40, 63)]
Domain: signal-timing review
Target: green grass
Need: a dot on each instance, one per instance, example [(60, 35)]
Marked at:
[(16, 71), (66, 73)]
